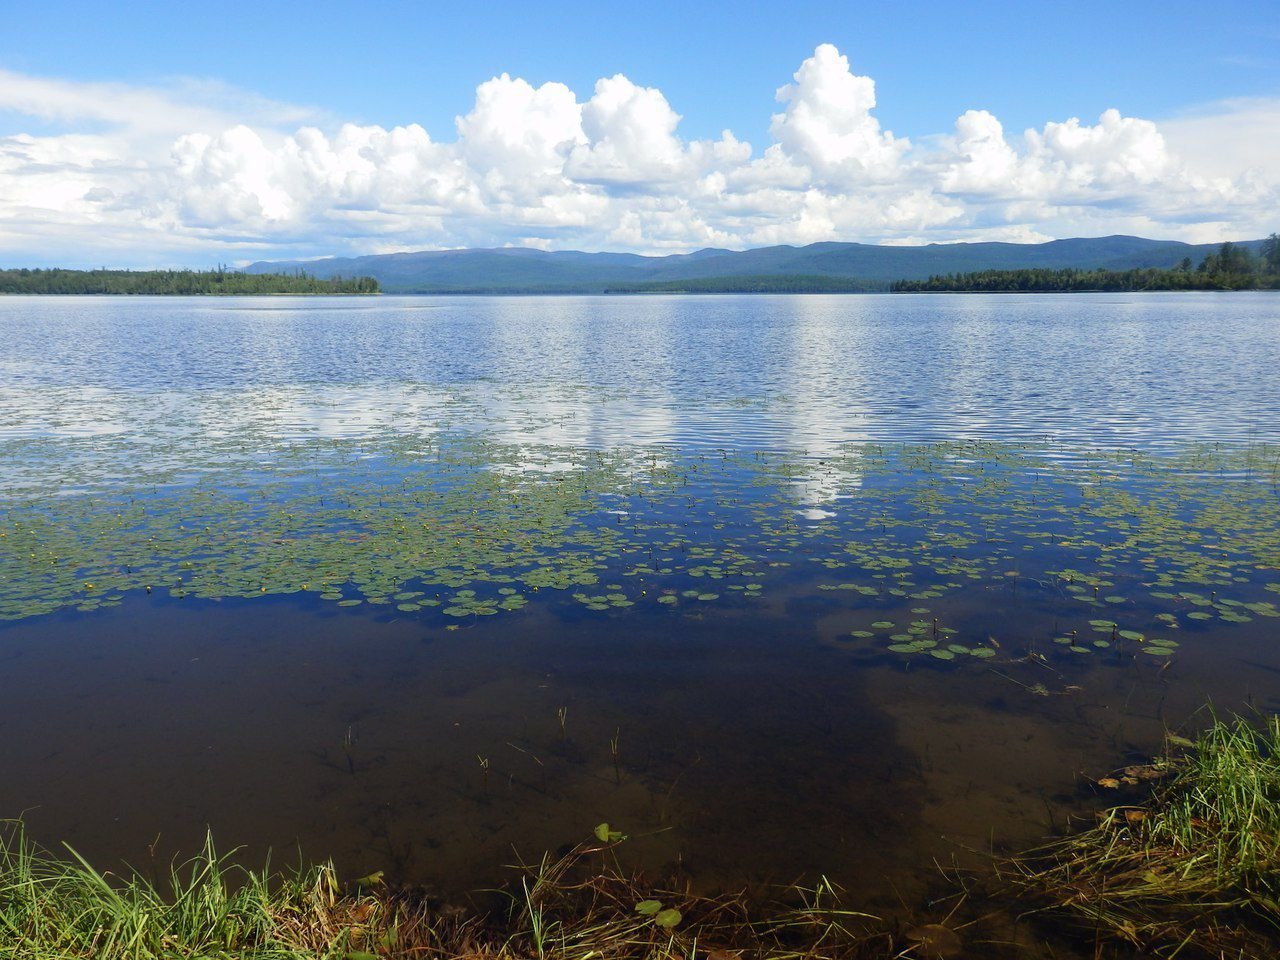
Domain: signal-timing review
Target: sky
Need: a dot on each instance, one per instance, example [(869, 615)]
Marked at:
[(189, 135)]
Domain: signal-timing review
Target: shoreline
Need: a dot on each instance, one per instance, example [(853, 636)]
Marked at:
[(1182, 866)]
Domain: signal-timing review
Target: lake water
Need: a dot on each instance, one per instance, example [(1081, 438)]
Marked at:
[(779, 586)]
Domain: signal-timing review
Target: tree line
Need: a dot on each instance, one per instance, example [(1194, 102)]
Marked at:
[(1232, 267), (219, 282)]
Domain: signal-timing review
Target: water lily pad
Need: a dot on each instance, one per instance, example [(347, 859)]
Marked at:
[(668, 919)]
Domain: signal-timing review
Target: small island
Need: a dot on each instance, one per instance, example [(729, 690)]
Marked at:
[(187, 283), (1232, 267)]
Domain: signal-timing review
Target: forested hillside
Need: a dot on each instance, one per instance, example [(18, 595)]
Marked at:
[(1231, 267)]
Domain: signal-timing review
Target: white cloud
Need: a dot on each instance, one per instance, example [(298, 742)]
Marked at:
[(517, 137), (1117, 151), (1232, 138), (183, 106), (827, 122), (152, 175), (983, 162), (630, 137), (1060, 162)]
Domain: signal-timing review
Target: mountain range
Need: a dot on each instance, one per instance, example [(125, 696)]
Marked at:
[(820, 266)]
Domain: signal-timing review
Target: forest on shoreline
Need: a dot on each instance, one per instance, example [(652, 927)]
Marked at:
[(1233, 267), (190, 283)]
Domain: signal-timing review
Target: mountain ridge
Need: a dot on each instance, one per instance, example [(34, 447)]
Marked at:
[(873, 266)]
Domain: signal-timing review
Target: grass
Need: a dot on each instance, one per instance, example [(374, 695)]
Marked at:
[(578, 907), (208, 907), (1193, 872)]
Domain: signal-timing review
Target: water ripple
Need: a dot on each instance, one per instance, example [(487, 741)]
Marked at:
[(159, 376)]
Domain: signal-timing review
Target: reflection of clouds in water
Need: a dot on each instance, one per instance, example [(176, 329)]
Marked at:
[(536, 424), (63, 412), (555, 419), (560, 408), (339, 413), (821, 419), (141, 388)]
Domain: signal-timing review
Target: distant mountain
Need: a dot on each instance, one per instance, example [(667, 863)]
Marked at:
[(854, 265)]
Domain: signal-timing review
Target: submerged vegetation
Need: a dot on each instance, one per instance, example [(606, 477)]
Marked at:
[(1192, 872), (219, 282), (1233, 267)]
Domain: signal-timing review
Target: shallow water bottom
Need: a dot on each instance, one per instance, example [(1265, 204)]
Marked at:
[(744, 747)]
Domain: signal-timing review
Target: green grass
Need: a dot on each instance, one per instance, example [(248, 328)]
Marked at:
[(208, 908), (1194, 872), (580, 907)]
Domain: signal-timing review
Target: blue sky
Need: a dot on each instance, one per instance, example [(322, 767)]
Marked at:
[(1206, 77)]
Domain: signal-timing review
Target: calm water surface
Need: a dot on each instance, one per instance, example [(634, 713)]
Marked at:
[(777, 585)]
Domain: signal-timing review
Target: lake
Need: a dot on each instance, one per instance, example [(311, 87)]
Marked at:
[(778, 586)]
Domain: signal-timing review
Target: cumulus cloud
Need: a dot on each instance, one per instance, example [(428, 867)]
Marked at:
[(198, 166), (827, 122), (518, 136), (1064, 160), (629, 138)]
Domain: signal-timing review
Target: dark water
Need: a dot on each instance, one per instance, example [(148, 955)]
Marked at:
[(414, 582)]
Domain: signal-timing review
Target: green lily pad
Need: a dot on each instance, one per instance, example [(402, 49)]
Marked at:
[(668, 919)]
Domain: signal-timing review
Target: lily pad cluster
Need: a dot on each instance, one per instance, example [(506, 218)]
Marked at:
[(457, 526), (924, 637)]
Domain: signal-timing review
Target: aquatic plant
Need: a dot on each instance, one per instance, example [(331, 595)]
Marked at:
[(1193, 871), (576, 907)]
